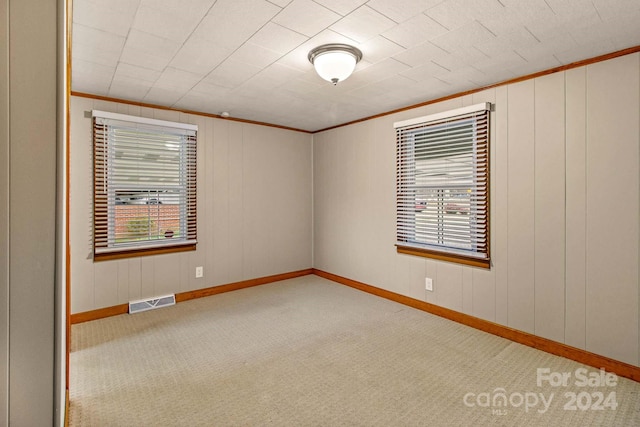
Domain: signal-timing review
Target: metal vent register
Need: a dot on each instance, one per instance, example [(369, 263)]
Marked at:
[(150, 304)]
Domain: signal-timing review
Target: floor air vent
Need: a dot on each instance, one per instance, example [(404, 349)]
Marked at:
[(151, 303)]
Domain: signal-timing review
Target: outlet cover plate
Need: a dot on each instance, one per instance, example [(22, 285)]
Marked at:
[(199, 272), (428, 284)]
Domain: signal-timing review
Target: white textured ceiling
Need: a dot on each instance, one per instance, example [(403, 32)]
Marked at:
[(249, 57)]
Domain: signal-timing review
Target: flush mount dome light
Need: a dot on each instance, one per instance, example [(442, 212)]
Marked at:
[(335, 62)]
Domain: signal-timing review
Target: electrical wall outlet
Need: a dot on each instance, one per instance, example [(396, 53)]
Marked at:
[(428, 284), (199, 272)]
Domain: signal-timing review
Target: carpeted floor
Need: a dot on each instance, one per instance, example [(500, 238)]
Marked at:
[(310, 352)]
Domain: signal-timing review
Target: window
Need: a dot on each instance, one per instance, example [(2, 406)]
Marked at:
[(442, 186), (144, 186)]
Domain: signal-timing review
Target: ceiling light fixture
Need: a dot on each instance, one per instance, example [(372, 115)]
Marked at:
[(335, 62)]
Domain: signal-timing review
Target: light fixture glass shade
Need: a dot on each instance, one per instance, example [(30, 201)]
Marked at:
[(335, 62), (335, 66)]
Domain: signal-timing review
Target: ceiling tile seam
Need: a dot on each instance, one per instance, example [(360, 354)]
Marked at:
[(429, 42), (331, 10), (271, 20), (435, 20), (104, 32), (550, 8), (597, 12), (486, 28), (202, 80), (381, 13), (120, 61), (328, 28), (268, 1), (518, 53), (477, 69), (247, 41), (482, 53), (152, 83), (439, 65), (352, 12), (408, 47), (195, 27), (353, 41), (290, 29), (391, 41), (266, 48), (439, 79), (532, 35), (122, 51), (322, 6), (572, 38), (439, 47), (296, 47)]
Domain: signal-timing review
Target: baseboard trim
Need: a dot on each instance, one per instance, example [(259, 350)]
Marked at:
[(101, 313), (214, 290), (116, 310), (553, 347)]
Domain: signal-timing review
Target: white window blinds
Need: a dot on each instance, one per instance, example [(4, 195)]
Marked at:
[(144, 183), (442, 184)]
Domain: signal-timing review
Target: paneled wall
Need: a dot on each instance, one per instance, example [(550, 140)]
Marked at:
[(29, 370), (564, 188), (254, 211)]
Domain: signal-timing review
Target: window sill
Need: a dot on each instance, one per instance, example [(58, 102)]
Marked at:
[(131, 253), (444, 256)]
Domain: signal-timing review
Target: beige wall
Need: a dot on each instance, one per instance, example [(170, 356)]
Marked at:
[(254, 211), (28, 145), (564, 210), (4, 214)]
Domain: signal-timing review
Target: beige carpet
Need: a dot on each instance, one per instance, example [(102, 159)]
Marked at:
[(309, 352)]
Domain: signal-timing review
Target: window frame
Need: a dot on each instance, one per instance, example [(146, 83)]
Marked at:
[(407, 188), (106, 193)]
